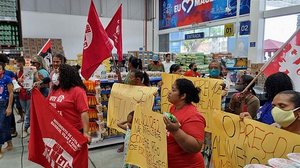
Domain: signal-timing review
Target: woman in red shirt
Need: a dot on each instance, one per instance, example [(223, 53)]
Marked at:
[(193, 71), (69, 98), (186, 135)]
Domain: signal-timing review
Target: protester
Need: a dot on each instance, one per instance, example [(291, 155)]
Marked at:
[(167, 63), (139, 78), (272, 88), (6, 101), (133, 64), (286, 111), (14, 133), (24, 96), (41, 73), (185, 135), (155, 65), (126, 126), (176, 69), (57, 60), (68, 97), (193, 71), (244, 101)]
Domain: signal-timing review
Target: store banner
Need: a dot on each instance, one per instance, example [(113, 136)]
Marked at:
[(236, 143), (124, 98), (287, 60), (53, 142), (148, 141), (210, 95), (114, 32), (96, 46), (177, 13)]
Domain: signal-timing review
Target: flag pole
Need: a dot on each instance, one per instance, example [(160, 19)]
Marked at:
[(43, 47), (270, 60)]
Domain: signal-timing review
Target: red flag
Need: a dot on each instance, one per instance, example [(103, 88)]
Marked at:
[(46, 53), (97, 46), (114, 32), (287, 60), (53, 142)]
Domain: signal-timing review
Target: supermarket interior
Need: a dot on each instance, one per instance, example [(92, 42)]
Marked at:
[(150, 83)]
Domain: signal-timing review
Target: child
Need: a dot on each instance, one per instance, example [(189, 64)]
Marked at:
[(139, 78), (126, 125)]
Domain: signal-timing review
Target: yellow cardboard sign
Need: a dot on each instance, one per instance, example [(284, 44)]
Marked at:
[(229, 30), (148, 140), (210, 95), (236, 143), (124, 98)]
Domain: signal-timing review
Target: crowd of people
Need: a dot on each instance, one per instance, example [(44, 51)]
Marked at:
[(186, 136)]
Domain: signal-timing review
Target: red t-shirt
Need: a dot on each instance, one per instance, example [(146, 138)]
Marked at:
[(70, 104), (192, 73), (23, 95), (193, 124)]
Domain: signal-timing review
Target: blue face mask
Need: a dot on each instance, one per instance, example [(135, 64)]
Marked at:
[(214, 72)]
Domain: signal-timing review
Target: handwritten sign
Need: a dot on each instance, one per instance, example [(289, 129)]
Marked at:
[(123, 99), (236, 143), (148, 140), (210, 95)]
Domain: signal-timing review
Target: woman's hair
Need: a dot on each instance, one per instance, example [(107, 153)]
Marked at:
[(136, 63), (4, 59), (191, 65), (131, 114), (186, 87), (68, 78), (21, 60), (217, 62), (61, 57), (143, 76), (2, 64), (277, 83), (174, 68), (247, 80), (295, 97)]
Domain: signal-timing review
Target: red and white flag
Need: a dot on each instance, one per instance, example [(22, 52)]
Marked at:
[(96, 46), (53, 142), (114, 32), (287, 60), (46, 53)]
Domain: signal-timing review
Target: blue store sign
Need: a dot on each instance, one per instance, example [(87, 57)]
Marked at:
[(245, 27)]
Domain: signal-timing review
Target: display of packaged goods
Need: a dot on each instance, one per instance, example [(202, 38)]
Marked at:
[(9, 34)]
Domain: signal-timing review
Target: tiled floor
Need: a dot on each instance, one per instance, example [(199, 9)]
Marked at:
[(105, 157)]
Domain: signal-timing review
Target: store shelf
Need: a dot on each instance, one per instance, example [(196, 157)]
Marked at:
[(104, 103), (105, 92), (8, 19), (109, 141)]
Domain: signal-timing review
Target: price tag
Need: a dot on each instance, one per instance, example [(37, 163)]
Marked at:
[(228, 30)]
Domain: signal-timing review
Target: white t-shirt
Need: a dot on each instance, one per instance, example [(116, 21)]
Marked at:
[(167, 66)]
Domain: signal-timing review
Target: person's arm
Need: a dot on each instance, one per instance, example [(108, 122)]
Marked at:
[(85, 124), (10, 89), (187, 142), (122, 125), (253, 106)]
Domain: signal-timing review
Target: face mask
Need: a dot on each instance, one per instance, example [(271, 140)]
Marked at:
[(54, 79), (239, 87), (214, 72), (195, 69), (155, 62), (282, 117)]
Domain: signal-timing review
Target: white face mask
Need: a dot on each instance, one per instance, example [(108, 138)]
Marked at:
[(54, 79)]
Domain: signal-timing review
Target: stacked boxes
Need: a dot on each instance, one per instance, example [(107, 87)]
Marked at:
[(31, 46)]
